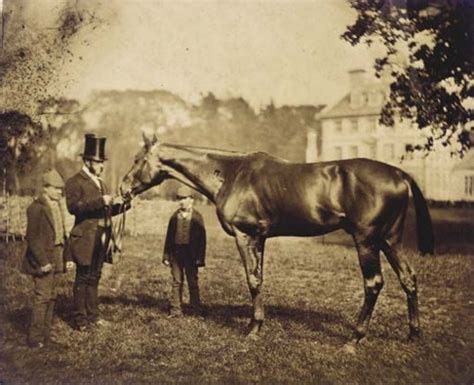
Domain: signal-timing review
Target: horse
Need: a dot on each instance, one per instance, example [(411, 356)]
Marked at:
[(259, 196)]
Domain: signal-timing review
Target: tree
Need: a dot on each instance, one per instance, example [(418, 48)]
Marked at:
[(63, 128), (432, 85), (18, 137), (36, 41), (28, 145)]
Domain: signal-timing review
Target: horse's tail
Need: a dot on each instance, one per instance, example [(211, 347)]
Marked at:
[(424, 227)]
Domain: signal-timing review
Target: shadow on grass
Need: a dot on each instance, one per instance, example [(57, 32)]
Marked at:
[(318, 321), (236, 317), (65, 309), (20, 319), (140, 300)]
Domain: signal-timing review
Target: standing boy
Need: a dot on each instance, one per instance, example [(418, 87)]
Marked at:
[(185, 250), (45, 258)]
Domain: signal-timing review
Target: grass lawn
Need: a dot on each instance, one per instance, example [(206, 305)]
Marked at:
[(313, 293)]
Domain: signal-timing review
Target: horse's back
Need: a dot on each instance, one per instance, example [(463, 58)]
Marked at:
[(311, 198)]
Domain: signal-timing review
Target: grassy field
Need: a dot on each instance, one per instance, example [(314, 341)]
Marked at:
[(313, 293)]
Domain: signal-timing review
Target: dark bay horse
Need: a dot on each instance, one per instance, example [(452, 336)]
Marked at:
[(258, 196)]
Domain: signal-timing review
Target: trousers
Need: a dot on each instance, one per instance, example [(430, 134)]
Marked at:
[(44, 300), (86, 286), (182, 264)]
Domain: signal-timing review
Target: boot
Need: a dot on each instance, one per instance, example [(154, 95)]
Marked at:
[(80, 293), (92, 303), (48, 320)]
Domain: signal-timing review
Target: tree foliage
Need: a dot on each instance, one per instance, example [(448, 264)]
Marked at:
[(28, 146), (429, 52), (33, 53)]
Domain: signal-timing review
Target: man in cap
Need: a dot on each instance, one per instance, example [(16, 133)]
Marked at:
[(88, 200), (45, 257), (185, 250)]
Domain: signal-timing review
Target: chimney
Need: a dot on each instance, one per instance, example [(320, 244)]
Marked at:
[(311, 146), (357, 83), (356, 78)]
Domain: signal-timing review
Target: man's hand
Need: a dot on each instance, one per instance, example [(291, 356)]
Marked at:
[(166, 262), (200, 263), (46, 268), (69, 265), (118, 200), (107, 199)]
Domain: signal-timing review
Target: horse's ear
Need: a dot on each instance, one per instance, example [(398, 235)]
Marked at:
[(148, 140), (155, 138)]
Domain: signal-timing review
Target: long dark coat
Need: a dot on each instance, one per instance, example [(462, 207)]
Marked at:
[(84, 201), (197, 238), (40, 239)]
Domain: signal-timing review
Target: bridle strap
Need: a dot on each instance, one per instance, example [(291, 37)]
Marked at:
[(117, 230)]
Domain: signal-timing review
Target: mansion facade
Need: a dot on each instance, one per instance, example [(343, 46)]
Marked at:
[(351, 129)]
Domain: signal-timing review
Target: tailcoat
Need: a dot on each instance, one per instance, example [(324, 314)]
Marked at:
[(85, 201)]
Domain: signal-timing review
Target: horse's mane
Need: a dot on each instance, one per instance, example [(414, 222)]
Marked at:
[(220, 154)]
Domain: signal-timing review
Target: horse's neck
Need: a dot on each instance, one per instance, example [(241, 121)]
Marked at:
[(203, 169)]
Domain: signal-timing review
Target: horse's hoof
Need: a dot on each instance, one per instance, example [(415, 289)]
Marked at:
[(254, 327), (415, 335), (349, 348), (252, 336)]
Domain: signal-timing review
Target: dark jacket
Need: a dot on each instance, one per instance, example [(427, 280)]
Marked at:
[(40, 238), (84, 201), (197, 238)]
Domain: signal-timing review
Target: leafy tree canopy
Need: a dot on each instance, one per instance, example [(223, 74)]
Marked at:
[(429, 52)]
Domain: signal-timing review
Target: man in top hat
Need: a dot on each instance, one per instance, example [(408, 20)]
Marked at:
[(88, 200), (185, 250), (45, 257)]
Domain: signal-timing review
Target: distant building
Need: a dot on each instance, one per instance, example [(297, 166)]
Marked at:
[(351, 129)]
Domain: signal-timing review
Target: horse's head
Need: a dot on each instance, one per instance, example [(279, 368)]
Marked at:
[(147, 170)]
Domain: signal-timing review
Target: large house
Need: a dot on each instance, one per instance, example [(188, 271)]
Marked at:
[(351, 129)]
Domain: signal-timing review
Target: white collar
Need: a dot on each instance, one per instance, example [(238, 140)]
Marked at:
[(185, 214), (94, 178)]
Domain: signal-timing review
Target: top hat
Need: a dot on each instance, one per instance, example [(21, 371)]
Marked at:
[(184, 192), (94, 148), (52, 178)]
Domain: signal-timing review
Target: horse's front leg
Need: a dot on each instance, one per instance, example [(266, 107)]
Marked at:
[(251, 251)]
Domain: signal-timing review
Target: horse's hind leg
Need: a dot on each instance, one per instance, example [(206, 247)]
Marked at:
[(407, 278), (369, 259), (251, 251)]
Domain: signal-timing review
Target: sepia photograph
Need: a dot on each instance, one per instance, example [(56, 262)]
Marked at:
[(236, 192)]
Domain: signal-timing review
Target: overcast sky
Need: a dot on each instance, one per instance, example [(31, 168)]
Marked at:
[(288, 51)]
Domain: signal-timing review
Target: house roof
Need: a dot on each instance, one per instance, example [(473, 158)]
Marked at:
[(344, 109)]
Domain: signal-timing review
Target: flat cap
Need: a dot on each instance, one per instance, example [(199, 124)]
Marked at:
[(184, 192), (52, 178)]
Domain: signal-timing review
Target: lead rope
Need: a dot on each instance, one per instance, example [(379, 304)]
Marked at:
[(118, 229)]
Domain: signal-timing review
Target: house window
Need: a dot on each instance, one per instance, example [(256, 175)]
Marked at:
[(338, 124), (354, 125), (373, 125), (337, 152), (375, 98), (469, 185), (409, 152), (372, 151), (357, 99), (353, 152), (389, 151)]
